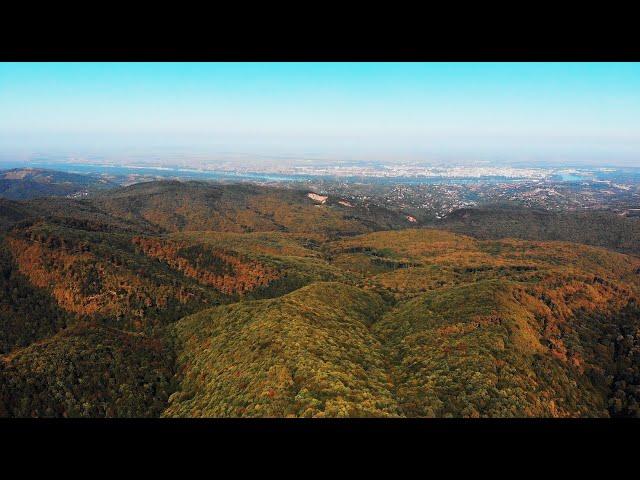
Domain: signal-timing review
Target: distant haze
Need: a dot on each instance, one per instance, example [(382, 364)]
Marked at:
[(560, 113)]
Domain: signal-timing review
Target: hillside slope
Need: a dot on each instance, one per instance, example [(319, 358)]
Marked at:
[(60, 265), (452, 326), (87, 371), (477, 350), (603, 229), (306, 354), (502, 328), (28, 183), (277, 304), (184, 206)]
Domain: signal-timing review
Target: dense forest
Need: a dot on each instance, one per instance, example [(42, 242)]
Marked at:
[(179, 206), (87, 371), (599, 228), (172, 299)]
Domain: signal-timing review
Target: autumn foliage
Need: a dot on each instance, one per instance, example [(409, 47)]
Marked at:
[(228, 272), (170, 299)]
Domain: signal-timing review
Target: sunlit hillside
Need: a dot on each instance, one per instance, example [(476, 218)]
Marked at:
[(170, 299)]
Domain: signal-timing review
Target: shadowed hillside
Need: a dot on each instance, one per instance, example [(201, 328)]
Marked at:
[(27, 183), (12, 212), (102, 275), (603, 229), (87, 371), (27, 313)]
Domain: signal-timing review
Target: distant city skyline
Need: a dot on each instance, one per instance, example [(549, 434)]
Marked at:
[(574, 113)]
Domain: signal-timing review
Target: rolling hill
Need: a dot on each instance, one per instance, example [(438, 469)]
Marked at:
[(28, 183), (309, 353), (189, 299), (188, 206), (598, 228), (498, 329), (87, 371)]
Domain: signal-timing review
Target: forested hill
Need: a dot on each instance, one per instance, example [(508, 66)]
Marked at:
[(176, 206), (171, 206), (28, 183), (599, 228), (193, 299)]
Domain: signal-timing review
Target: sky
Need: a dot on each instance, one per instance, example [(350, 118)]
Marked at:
[(431, 112)]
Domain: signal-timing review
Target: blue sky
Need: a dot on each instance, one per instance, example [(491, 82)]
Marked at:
[(555, 111)]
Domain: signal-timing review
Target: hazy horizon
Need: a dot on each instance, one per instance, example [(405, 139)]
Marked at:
[(504, 113)]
